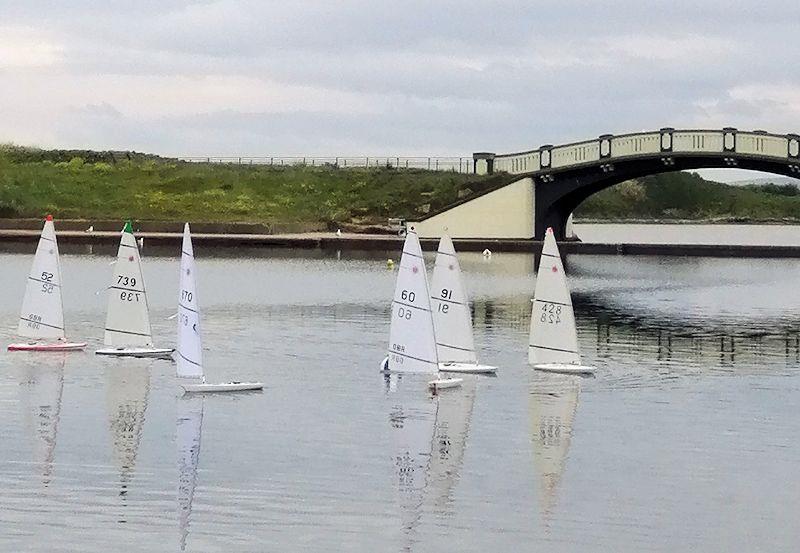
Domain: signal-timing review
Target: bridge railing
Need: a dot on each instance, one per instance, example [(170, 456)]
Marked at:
[(665, 142), (455, 164)]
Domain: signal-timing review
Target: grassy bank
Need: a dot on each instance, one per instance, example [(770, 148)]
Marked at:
[(687, 196), (74, 184)]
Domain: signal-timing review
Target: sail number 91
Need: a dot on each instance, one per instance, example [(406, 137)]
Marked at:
[(551, 313)]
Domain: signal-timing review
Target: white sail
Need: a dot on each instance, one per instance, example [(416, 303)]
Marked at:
[(412, 342), (189, 429), (451, 316), (553, 337), (190, 344), (127, 320), (42, 315)]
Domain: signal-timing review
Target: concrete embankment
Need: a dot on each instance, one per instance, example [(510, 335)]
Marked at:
[(383, 242)]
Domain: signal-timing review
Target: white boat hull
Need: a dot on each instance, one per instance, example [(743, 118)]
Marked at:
[(466, 368), (38, 346), (164, 353), (565, 368), (444, 384), (224, 387)]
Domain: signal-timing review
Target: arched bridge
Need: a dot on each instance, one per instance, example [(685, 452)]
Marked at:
[(563, 176)]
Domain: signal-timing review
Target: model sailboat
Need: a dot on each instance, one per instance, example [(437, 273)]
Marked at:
[(190, 342), (553, 344), (451, 317), (42, 316), (412, 339), (128, 330)]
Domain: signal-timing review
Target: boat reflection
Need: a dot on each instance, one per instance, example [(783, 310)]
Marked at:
[(553, 403), (189, 425), (127, 390), (41, 386), (429, 435)]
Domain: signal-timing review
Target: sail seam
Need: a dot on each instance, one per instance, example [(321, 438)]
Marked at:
[(446, 253), (43, 281), (412, 357), (128, 246), (41, 323), (187, 308), (447, 301), (550, 255), (45, 238), (410, 305), (127, 332), (126, 289), (455, 347), (552, 349), (554, 302), (189, 360), (187, 253), (412, 254)]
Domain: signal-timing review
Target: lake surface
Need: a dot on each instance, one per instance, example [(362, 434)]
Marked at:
[(685, 440)]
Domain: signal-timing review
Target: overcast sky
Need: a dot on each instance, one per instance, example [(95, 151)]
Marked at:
[(347, 77)]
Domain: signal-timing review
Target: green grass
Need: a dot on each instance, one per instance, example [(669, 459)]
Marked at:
[(34, 182), (687, 196)]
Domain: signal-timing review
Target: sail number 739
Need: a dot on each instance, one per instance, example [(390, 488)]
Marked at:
[(550, 313)]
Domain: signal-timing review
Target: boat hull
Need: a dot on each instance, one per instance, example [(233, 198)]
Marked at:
[(466, 368), (58, 346), (162, 353), (444, 384), (205, 388), (565, 368)]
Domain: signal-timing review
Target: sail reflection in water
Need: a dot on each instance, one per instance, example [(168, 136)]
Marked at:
[(41, 386), (189, 428), (554, 401), (429, 435), (128, 387)]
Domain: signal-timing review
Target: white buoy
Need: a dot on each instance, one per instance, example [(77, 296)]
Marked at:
[(141, 242), (487, 253), (90, 229), (338, 232)]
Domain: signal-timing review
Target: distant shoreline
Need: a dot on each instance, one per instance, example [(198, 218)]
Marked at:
[(706, 221)]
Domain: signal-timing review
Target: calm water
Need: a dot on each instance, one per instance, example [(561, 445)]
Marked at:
[(686, 438)]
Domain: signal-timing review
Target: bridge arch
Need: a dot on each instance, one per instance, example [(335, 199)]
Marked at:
[(564, 176)]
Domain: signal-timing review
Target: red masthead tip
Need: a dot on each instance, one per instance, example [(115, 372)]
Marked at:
[(48, 218)]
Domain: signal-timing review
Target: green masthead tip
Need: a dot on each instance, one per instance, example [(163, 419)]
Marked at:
[(128, 227)]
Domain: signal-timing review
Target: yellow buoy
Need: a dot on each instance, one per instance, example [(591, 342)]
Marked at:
[(389, 264)]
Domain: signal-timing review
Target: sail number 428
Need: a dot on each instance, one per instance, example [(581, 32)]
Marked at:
[(551, 313)]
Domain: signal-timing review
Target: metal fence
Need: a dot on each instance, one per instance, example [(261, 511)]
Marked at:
[(455, 164)]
